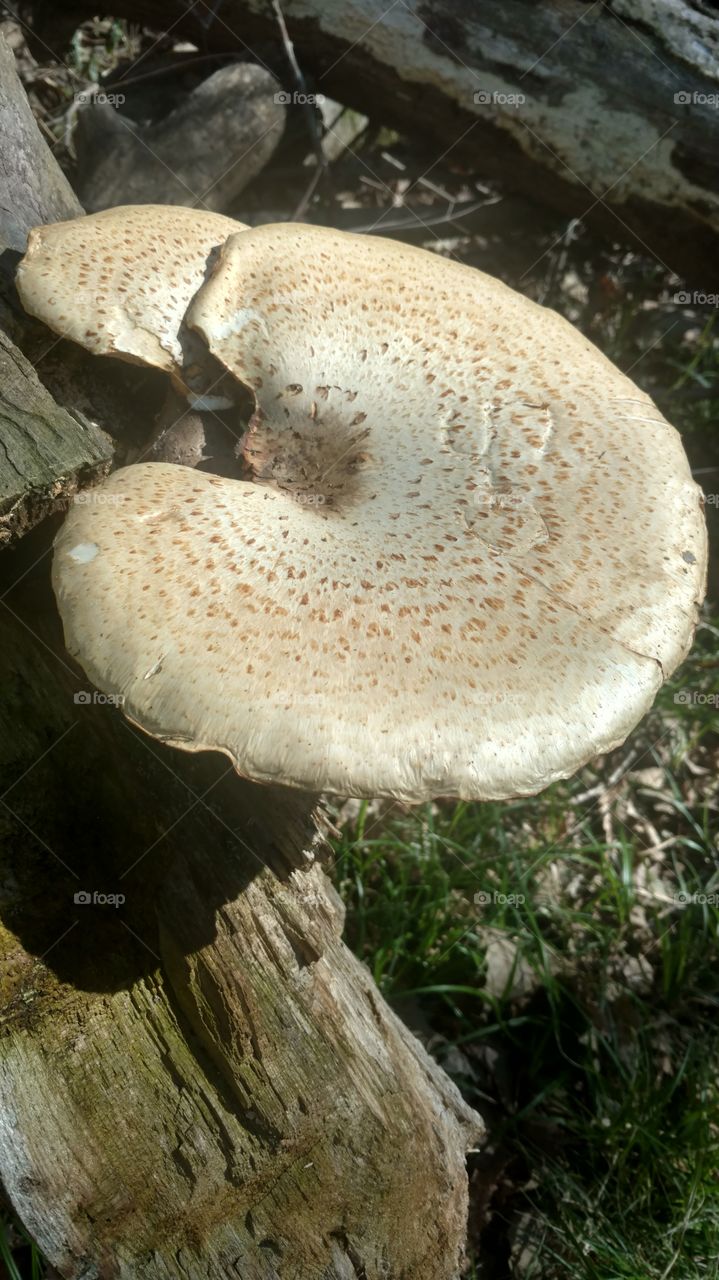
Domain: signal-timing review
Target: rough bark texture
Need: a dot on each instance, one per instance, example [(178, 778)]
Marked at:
[(26, 165), (199, 1081), (45, 452), (599, 133), (202, 1081)]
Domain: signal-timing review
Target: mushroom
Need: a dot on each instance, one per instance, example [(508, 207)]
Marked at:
[(119, 283), (470, 551)]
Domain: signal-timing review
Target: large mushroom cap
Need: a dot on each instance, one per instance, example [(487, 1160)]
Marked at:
[(471, 552), (119, 282)]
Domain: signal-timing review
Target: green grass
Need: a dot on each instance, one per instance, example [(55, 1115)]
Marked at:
[(596, 1053), (19, 1257)]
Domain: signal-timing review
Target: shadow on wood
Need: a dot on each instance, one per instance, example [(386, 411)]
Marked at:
[(202, 1080)]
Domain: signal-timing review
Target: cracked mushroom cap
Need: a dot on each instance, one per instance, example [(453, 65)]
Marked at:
[(119, 282), (470, 552)]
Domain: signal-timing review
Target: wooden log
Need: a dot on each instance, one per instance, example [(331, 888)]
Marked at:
[(607, 112), (46, 452), (205, 152), (26, 165), (201, 1080)]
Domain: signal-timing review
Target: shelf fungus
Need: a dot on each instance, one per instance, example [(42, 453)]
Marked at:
[(467, 550), (119, 283)]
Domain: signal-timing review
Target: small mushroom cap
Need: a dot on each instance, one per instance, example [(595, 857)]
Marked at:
[(119, 282), (471, 552)]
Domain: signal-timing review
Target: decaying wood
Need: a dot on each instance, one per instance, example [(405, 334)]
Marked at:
[(27, 165), (46, 454), (202, 1081), (45, 451), (197, 1078), (597, 129)]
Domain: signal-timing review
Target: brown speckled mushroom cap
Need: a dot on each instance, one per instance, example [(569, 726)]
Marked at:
[(471, 552), (119, 282)]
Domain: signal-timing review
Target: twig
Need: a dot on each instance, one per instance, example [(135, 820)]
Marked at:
[(308, 193), (308, 109), (606, 784), (432, 219), (128, 79), (409, 222)]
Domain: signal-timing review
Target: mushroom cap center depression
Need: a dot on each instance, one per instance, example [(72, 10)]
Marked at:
[(355, 409), (461, 569)]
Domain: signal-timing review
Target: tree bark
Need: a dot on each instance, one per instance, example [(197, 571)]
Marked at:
[(26, 165), (47, 453), (198, 1080), (597, 132)]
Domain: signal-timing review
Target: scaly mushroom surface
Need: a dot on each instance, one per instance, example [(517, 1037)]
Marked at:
[(470, 553), (119, 282)]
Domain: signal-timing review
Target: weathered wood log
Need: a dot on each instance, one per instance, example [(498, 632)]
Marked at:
[(608, 112), (201, 1081), (48, 453), (27, 165), (197, 1078)]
